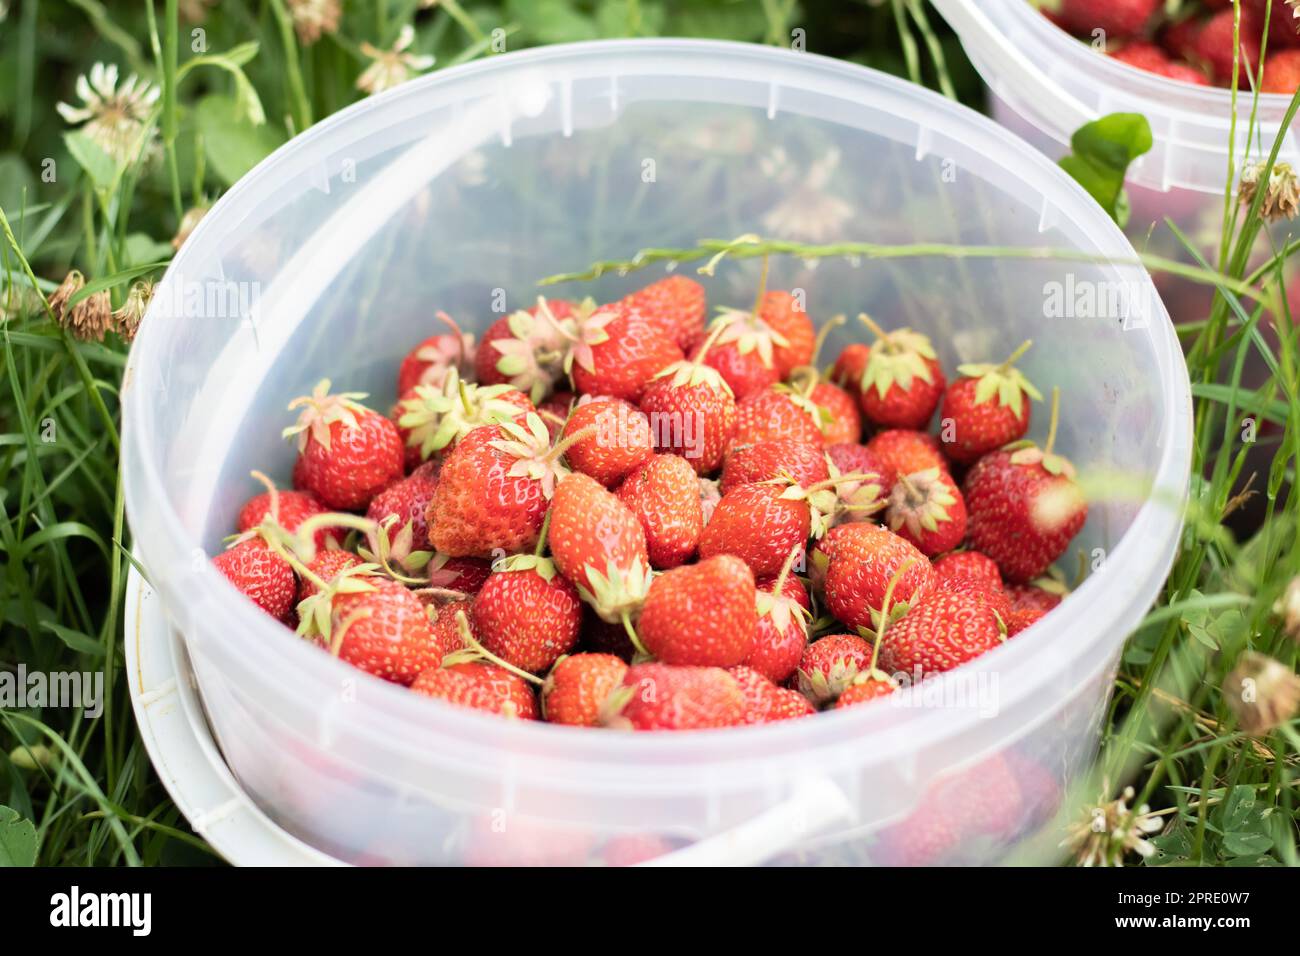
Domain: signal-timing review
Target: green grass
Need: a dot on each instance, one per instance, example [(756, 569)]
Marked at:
[(83, 790)]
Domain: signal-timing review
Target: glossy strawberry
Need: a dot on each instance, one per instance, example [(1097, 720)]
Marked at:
[(776, 413), (479, 686), (599, 545), (617, 440), (905, 452), (903, 380), (326, 566), (986, 408), (927, 509), (527, 613), (466, 575), (841, 421), (664, 697), (294, 507), (701, 614), (968, 564), (578, 686), (850, 366), (617, 351), (429, 362), (664, 494), (347, 453), (781, 633), (829, 665), (940, 631), (385, 631), (400, 511), (867, 686), (760, 524), (1042, 594), (1117, 18), (865, 559), (804, 462), (676, 305), (743, 352), (1018, 621), (448, 622), (692, 414), (261, 575), (1281, 72), (765, 702)]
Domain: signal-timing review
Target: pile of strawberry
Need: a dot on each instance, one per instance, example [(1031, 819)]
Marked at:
[(1194, 43), (616, 516)]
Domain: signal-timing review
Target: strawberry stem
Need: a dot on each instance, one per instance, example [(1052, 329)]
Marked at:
[(719, 327), (462, 625), (830, 325), (568, 441), (541, 535), (1051, 429), (632, 636), (762, 286), (271, 489), (446, 594), (874, 326), (1014, 356), (448, 321), (884, 610), (785, 570)]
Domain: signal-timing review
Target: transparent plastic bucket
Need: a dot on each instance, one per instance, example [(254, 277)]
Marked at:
[(457, 192)]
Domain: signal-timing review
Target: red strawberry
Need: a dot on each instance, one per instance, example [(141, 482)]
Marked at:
[(996, 598), (617, 440), (526, 349), (384, 631), (1024, 508), (748, 353), (830, 664), (664, 697), (1018, 621), (796, 336), (927, 509), (766, 703), (433, 418), (781, 633), (664, 494), (865, 559), (939, 632), (328, 565), (820, 554), (850, 366), (968, 564), (494, 489), (527, 614), (1118, 18), (348, 452), (294, 507), (676, 305), (692, 414), (1153, 59), (701, 614), (602, 637), (481, 687), (865, 687), (1212, 44), (777, 413), (802, 461), (1042, 594), (904, 452), (400, 511), (466, 575), (429, 362), (760, 524), (446, 623), (555, 412), (616, 352), (578, 686), (903, 380), (629, 849), (1282, 72), (261, 575), (840, 419), (599, 545), (857, 498), (986, 408)]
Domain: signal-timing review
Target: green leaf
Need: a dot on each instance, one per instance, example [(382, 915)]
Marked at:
[(116, 279), (17, 839), (99, 166), (1247, 844), (1102, 152), (1236, 810), (233, 144), (75, 639), (552, 21)]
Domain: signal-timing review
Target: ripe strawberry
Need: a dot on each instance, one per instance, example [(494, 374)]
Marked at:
[(692, 414), (979, 588), (904, 452), (802, 461), (865, 559), (1282, 72), (1024, 509), (527, 614), (430, 361), (526, 348), (664, 494), (616, 352), (294, 507), (676, 305), (433, 418), (1042, 594), (927, 509), (348, 452), (494, 489), (795, 334), (940, 631), (986, 408), (261, 575), (629, 849), (766, 703), (1211, 44), (1118, 18), (400, 511), (481, 687), (701, 614), (840, 419), (850, 366), (903, 380), (781, 633), (760, 524), (1153, 59), (968, 564), (599, 545), (578, 685), (777, 413), (867, 686), (466, 575), (744, 372), (617, 440), (820, 554), (1018, 621), (857, 498), (384, 631), (829, 665), (664, 697), (328, 565), (446, 625)]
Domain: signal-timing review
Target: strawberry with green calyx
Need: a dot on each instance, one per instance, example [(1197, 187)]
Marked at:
[(676, 304), (857, 498), (1025, 506), (986, 408), (325, 566), (749, 352), (903, 381), (578, 685), (478, 685), (664, 494), (331, 577), (401, 536), (850, 366), (657, 696), (495, 487), (457, 574), (864, 560), (902, 451), (392, 547), (433, 418), (261, 574), (698, 408), (804, 462), (295, 507), (829, 665), (839, 415), (700, 614), (872, 682), (380, 627), (927, 509), (618, 439), (1018, 621), (430, 361), (472, 650), (765, 702), (941, 630), (781, 633), (347, 453), (615, 351), (526, 349), (526, 613)]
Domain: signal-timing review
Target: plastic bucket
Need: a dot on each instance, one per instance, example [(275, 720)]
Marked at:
[(457, 192)]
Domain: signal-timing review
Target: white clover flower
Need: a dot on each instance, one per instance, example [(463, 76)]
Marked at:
[(392, 67), (312, 18), (114, 116)]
